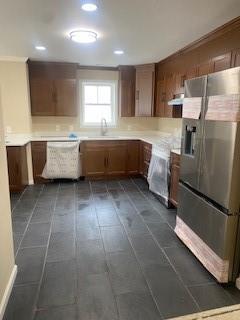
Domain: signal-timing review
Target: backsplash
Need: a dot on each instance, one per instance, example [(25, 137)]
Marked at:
[(71, 124)]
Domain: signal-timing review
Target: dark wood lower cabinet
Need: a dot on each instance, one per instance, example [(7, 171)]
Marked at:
[(175, 172), (39, 157), (145, 158), (110, 158), (133, 160), (17, 168)]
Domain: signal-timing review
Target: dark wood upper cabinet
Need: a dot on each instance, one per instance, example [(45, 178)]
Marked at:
[(191, 72), (222, 62), (145, 83), (170, 91), (127, 78), (53, 88), (205, 67), (236, 58), (160, 97), (42, 97), (65, 97)]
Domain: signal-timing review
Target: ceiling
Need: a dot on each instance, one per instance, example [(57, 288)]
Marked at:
[(147, 31)]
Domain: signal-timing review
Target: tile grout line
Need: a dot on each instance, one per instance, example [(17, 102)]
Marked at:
[(28, 223), (105, 254), (179, 277), (141, 269), (45, 258)]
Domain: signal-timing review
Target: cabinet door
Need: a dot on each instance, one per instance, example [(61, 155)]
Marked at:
[(175, 172), (179, 80), (191, 73), (222, 62), (42, 97), (174, 184), (117, 159), (145, 158), (160, 98), (145, 77), (205, 68), (236, 58), (133, 157), (14, 168), (94, 160), (39, 157), (65, 97), (127, 78), (170, 89)]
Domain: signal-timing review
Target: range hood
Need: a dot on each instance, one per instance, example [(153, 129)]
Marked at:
[(177, 100)]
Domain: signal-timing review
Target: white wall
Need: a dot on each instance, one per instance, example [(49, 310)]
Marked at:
[(15, 96), (7, 269)]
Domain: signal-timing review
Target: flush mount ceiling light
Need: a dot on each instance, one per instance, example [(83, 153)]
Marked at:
[(83, 36), (89, 7), (40, 48), (119, 52)]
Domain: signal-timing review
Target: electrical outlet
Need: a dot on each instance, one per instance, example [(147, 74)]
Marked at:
[(71, 128), (57, 127)]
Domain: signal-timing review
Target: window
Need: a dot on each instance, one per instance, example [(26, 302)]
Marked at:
[(98, 101)]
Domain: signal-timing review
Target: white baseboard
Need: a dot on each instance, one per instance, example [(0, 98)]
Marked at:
[(4, 302)]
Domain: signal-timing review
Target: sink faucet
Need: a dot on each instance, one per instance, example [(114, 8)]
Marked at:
[(103, 127)]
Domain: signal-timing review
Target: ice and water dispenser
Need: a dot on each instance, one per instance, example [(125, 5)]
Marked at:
[(190, 140)]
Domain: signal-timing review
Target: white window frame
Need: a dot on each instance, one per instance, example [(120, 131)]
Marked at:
[(114, 85)]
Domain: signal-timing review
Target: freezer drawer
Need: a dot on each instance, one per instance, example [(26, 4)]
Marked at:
[(217, 230)]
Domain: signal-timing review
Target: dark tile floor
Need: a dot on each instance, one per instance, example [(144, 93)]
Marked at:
[(104, 251)]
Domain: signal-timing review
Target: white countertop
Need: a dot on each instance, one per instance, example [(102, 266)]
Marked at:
[(154, 138)]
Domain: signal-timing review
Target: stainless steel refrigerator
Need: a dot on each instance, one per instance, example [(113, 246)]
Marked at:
[(209, 188)]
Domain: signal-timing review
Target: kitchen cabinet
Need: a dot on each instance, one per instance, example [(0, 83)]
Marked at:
[(236, 58), (145, 158), (42, 97), (39, 157), (53, 88), (65, 97), (205, 67), (160, 97), (179, 80), (17, 168), (133, 157), (110, 158), (116, 159), (145, 82), (191, 73), (170, 91), (174, 180), (94, 159), (127, 79), (222, 62)]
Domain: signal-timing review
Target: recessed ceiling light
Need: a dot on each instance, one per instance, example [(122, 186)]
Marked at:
[(40, 48), (89, 7), (119, 52), (83, 36)]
